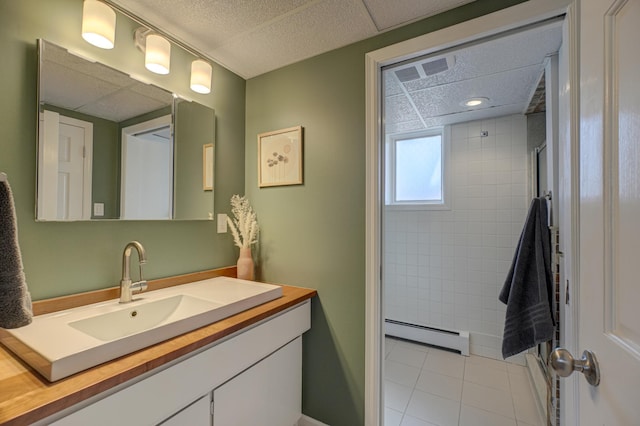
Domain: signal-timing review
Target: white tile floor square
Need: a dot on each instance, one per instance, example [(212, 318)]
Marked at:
[(425, 386)]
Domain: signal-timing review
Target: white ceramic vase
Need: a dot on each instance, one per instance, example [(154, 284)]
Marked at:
[(246, 268)]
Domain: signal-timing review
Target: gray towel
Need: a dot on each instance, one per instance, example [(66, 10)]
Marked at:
[(528, 289), (15, 300)]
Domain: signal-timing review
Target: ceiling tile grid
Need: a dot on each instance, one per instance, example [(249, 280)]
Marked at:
[(252, 37), (389, 14), (298, 36), (64, 91), (90, 88), (505, 70), (509, 87)]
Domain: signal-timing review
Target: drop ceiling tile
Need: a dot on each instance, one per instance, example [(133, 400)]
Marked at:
[(71, 93), (251, 37), (398, 109), (515, 51), (152, 92), (509, 87), (206, 24), (482, 114), (388, 14), (298, 36), (409, 126), (505, 70), (391, 85), (121, 106)]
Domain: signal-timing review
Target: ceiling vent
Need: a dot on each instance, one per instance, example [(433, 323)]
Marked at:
[(426, 69), (435, 67), (407, 74)]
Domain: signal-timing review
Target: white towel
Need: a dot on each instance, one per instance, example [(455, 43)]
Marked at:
[(15, 300)]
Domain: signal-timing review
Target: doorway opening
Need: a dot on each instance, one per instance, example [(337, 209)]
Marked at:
[(147, 170), (442, 264)]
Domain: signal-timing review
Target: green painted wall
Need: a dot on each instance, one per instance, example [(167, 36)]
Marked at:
[(313, 235), (65, 258), (194, 128)]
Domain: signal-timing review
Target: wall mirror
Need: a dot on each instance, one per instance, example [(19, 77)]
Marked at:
[(112, 147)]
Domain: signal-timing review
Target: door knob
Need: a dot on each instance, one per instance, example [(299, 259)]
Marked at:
[(564, 364)]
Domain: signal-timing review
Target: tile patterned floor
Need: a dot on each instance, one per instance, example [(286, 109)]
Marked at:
[(425, 386)]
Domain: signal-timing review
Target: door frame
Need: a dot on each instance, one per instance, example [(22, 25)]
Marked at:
[(507, 19)]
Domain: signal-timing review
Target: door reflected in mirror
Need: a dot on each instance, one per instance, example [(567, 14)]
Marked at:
[(147, 170), (112, 147)]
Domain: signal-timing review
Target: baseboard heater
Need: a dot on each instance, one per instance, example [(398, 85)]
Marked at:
[(448, 339)]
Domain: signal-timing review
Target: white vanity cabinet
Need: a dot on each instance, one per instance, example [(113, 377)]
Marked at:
[(196, 414), (253, 377), (267, 394)]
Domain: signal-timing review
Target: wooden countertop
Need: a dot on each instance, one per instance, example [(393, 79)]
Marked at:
[(26, 397)]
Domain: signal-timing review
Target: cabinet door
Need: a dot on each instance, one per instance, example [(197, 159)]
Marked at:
[(196, 414), (267, 394)]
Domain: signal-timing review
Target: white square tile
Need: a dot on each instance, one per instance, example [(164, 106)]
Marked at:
[(396, 396), (443, 362), (516, 370), (481, 375), (519, 383), (472, 416), (526, 408), (474, 128), (392, 417), (388, 346), (401, 373), (438, 384), (488, 399), (433, 408), (487, 362), (459, 131), (489, 125), (407, 355), (503, 125), (518, 359), (412, 421)]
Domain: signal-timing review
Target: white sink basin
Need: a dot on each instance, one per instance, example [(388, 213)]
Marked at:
[(130, 320), (66, 342)]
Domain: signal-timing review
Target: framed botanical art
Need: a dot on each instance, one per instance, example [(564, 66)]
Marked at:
[(280, 157)]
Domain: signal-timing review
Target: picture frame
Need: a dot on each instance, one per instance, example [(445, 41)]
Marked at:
[(280, 157), (207, 167)]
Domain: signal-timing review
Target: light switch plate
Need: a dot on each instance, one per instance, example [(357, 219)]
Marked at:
[(98, 209), (222, 223)]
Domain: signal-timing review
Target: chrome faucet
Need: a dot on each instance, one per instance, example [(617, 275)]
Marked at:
[(127, 288)]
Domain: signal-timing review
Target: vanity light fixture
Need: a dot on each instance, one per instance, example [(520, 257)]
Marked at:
[(98, 24), (201, 76), (157, 55), (474, 102)]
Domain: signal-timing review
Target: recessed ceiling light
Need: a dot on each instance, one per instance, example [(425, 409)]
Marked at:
[(473, 102)]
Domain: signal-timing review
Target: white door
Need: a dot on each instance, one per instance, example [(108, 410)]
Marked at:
[(65, 160), (70, 171), (609, 262)]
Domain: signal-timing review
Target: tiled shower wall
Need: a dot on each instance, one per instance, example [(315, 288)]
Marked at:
[(445, 268)]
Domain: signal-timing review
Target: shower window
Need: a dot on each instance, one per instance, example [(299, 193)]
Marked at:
[(416, 167)]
